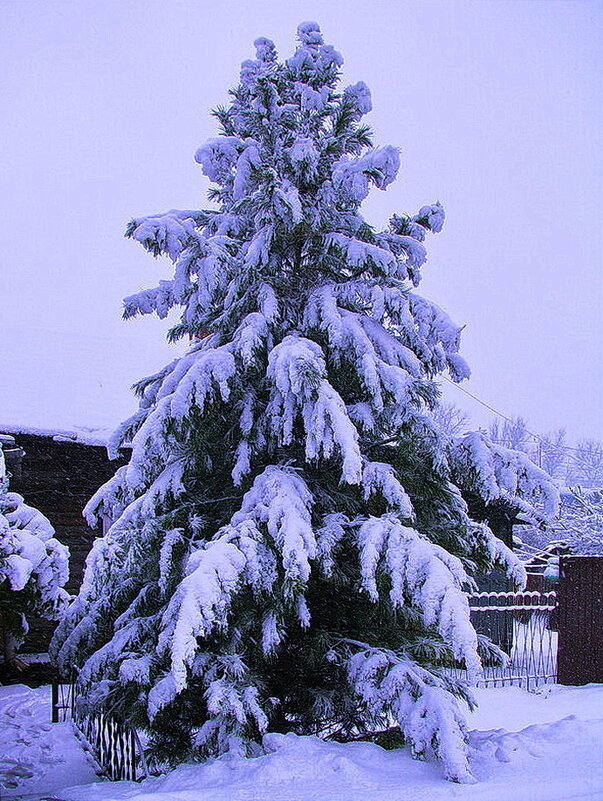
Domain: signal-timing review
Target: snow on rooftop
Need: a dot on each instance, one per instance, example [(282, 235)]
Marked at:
[(89, 436)]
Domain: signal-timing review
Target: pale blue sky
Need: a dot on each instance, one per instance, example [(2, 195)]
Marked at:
[(496, 106)]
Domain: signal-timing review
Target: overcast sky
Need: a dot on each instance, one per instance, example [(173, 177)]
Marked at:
[(497, 108)]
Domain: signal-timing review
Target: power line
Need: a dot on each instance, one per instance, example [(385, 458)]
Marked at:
[(479, 400), (509, 419)]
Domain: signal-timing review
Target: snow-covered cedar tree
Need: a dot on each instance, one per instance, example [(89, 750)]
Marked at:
[(33, 567), (288, 550)]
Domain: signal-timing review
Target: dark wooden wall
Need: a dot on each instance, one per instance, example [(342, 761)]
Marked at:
[(58, 478)]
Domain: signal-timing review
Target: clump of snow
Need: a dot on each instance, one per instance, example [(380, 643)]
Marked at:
[(351, 177), (359, 96), (297, 371), (426, 572), (499, 474), (314, 61), (218, 156)]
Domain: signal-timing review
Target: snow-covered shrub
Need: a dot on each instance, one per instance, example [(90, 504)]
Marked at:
[(33, 566), (288, 549)]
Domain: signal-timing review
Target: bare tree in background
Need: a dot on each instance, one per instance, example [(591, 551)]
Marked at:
[(553, 454), (587, 464), (580, 523), (581, 520), (451, 420), (572, 466), (512, 434)]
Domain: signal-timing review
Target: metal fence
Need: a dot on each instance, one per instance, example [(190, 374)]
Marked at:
[(62, 699), (114, 747), (524, 626)]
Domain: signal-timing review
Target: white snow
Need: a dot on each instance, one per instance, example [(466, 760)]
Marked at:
[(296, 367), (351, 177), (360, 96), (497, 473), (546, 746), (31, 559), (84, 436), (432, 576)]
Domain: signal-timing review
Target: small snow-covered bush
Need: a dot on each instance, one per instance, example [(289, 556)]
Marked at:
[(33, 566)]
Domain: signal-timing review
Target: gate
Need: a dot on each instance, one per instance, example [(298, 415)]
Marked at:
[(523, 625)]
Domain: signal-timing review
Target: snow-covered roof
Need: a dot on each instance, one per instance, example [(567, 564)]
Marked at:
[(84, 436)]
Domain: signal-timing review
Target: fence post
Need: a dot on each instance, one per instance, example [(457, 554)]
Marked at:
[(55, 700), (580, 643)]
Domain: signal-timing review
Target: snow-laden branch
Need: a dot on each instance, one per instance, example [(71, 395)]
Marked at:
[(500, 475)]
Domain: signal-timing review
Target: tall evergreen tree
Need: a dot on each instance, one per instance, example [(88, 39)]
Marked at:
[(288, 550)]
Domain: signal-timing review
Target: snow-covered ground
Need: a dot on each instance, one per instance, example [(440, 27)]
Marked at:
[(525, 747), (36, 756)]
